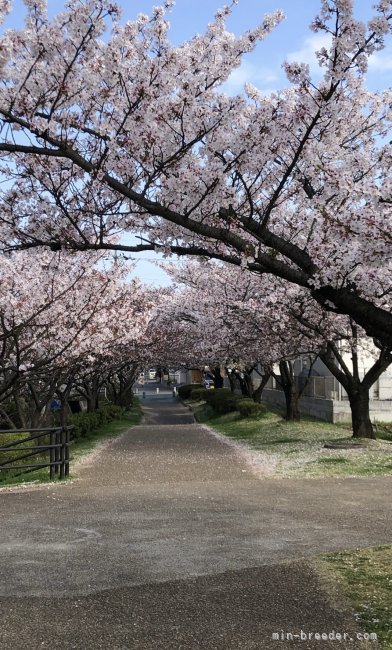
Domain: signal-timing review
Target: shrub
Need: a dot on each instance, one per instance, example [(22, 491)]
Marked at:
[(199, 394), (185, 391), (85, 423), (248, 408), (222, 400), (110, 412)]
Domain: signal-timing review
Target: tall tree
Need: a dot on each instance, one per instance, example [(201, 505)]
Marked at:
[(59, 313), (247, 319), (129, 133)]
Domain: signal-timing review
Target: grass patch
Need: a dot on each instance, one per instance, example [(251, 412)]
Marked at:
[(10, 476), (82, 446), (337, 459), (283, 441), (384, 430), (38, 476), (363, 576), (296, 449)]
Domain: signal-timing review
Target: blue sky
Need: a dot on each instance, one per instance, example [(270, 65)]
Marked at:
[(292, 39)]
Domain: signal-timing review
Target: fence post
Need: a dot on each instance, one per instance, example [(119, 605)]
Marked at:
[(62, 452), (52, 454), (57, 452), (67, 442)]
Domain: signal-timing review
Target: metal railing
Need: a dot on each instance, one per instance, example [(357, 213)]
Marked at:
[(51, 445), (322, 387)]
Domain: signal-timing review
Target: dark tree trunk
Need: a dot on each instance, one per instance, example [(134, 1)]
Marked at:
[(231, 379), (92, 401), (360, 416), (258, 392), (292, 406), (248, 385), (91, 389), (120, 386), (289, 387), (126, 394), (243, 385), (357, 390), (217, 377), (124, 398)]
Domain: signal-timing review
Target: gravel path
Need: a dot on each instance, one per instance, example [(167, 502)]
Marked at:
[(169, 540)]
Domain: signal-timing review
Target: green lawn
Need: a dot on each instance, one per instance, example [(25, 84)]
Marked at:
[(296, 449), (363, 578), (80, 447)]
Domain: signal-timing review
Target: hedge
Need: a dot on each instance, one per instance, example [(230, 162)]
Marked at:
[(85, 423), (199, 394), (222, 400), (185, 391), (248, 408)]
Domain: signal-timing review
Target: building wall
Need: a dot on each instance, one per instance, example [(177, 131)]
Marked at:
[(328, 409), (385, 387)]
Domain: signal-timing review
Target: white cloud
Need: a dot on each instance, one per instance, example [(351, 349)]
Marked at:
[(381, 61), (252, 73), (307, 52), (269, 78)]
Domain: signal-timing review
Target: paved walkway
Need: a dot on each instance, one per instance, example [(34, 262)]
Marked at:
[(168, 541)]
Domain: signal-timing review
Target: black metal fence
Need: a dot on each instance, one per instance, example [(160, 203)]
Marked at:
[(49, 447)]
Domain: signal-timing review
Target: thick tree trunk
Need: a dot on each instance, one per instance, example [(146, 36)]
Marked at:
[(124, 398), (292, 406), (360, 416), (289, 386), (92, 401), (39, 418), (257, 394), (217, 377), (249, 386), (237, 381), (231, 379), (356, 389), (244, 386)]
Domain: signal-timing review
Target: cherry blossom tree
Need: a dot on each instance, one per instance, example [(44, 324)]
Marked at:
[(59, 314), (107, 127), (254, 320), (341, 346), (227, 315)]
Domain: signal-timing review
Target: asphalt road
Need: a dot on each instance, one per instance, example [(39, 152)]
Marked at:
[(169, 541)]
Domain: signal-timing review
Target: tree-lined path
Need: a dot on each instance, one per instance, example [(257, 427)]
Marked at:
[(168, 540)]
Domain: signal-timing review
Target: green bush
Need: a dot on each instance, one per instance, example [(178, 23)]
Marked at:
[(199, 394), (185, 391), (222, 400), (85, 423), (110, 412), (248, 408)]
